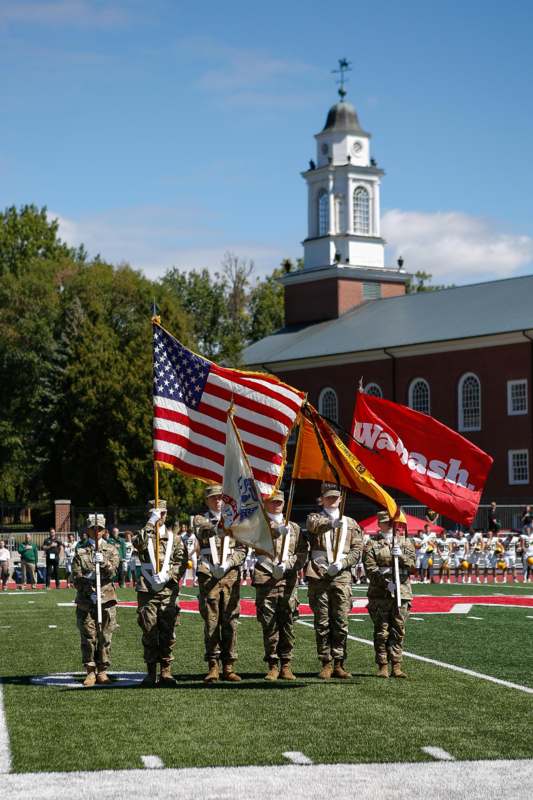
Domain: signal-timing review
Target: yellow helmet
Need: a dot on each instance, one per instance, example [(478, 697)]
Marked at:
[(189, 564), (501, 564), (430, 562), (530, 561), (465, 564)]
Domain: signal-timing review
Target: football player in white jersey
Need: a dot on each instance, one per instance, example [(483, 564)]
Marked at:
[(527, 556), (475, 555), (444, 549), (511, 544), (428, 557), (460, 560), (417, 541), (499, 558), (488, 556)]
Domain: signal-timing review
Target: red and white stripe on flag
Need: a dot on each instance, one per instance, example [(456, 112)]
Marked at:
[(191, 400)]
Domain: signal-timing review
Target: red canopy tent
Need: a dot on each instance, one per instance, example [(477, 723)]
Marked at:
[(414, 524)]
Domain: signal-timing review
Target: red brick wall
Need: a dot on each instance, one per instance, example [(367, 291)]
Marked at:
[(327, 299), (494, 366)]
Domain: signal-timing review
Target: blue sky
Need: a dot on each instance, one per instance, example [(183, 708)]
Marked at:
[(167, 133)]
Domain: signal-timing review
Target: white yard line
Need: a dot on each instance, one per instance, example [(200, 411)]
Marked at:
[(296, 757), (5, 750), (152, 762), (465, 780), (453, 667), (438, 753)]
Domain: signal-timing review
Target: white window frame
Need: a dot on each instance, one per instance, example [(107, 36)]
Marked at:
[(460, 407), (410, 393), (374, 386), (321, 397), (322, 196), (510, 385), (514, 481), (361, 191)]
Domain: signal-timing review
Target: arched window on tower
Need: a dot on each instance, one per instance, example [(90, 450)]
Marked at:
[(373, 389), (328, 405), (419, 396), (361, 210), (323, 213), (469, 402)]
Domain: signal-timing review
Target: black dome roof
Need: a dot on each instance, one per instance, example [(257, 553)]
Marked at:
[(343, 117)]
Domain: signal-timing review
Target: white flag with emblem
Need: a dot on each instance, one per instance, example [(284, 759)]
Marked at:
[(242, 509)]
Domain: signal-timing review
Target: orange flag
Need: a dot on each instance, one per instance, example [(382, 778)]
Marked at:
[(322, 455)]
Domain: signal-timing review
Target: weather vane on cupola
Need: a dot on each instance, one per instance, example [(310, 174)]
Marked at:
[(344, 67)]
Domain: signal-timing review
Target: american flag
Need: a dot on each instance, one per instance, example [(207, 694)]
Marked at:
[(191, 401)]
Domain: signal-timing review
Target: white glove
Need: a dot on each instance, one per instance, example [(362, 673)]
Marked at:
[(218, 571), (391, 587), (277, 571), (283, 530), (161, 577), (93, 598), (98, 558), (155, 516), (337, 524), (396, 550), (334, 569)]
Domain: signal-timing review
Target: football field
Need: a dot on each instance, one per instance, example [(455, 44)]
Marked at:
[(469, 698)]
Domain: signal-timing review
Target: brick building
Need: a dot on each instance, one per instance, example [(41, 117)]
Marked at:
[(464, 355)]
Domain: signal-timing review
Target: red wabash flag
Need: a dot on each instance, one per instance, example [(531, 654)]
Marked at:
[(192, 397), (416, 454)]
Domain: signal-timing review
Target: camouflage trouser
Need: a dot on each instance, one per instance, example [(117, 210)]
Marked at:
[(276, 606), (156, 614), (331, 601), (220, 607), (96, 653), (389, 628)]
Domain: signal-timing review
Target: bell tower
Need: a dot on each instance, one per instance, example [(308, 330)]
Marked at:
[(343, 218)]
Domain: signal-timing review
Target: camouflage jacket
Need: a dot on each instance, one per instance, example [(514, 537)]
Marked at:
[(379, 566), (84, 574), (296, 558), (205, 527), (178, 558), (317, 525)]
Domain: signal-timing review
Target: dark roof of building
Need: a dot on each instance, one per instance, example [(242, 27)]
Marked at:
[(343, 117), (462, 312)]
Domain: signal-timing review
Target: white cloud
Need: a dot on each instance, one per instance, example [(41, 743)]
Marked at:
[(82, 13), (455, 247), (156, 239)]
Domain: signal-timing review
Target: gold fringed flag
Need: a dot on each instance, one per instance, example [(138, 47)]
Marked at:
[(322, 455)]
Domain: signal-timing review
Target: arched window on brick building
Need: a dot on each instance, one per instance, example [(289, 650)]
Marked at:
[(328, 404), (374, 389), (419, 397), (469, 402)]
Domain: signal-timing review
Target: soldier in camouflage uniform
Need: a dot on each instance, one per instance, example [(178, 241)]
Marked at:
[(275, 582), (157, 593), (389, 620), (219, 587), (336, 544), (95, 650)]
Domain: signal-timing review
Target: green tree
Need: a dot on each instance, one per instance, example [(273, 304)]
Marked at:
[(421, 282), (266, 306)]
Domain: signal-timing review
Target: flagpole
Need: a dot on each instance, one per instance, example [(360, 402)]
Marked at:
[(157, 320), (292, 486)]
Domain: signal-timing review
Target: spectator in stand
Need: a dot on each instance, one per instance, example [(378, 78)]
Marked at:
[(527, 520), (494, 523), (83, 540), (29, 557), (52, 547), (5, 565), (70, 552)]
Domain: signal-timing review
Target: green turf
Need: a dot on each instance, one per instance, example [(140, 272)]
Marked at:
[(366, 719)]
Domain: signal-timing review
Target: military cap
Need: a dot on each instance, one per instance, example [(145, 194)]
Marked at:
[(383, 516), (329, 490), (100, 521), (213, 489), (161, 505), (278, 495)]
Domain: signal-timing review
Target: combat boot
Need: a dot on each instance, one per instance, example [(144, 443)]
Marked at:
[(383, 670), (327, 670), (90, 680), (166, 680), (286, 673), (397, 670), (150, 679), (102, 677), (214, 672), (273, 672), (229, 674), (339, 671)]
